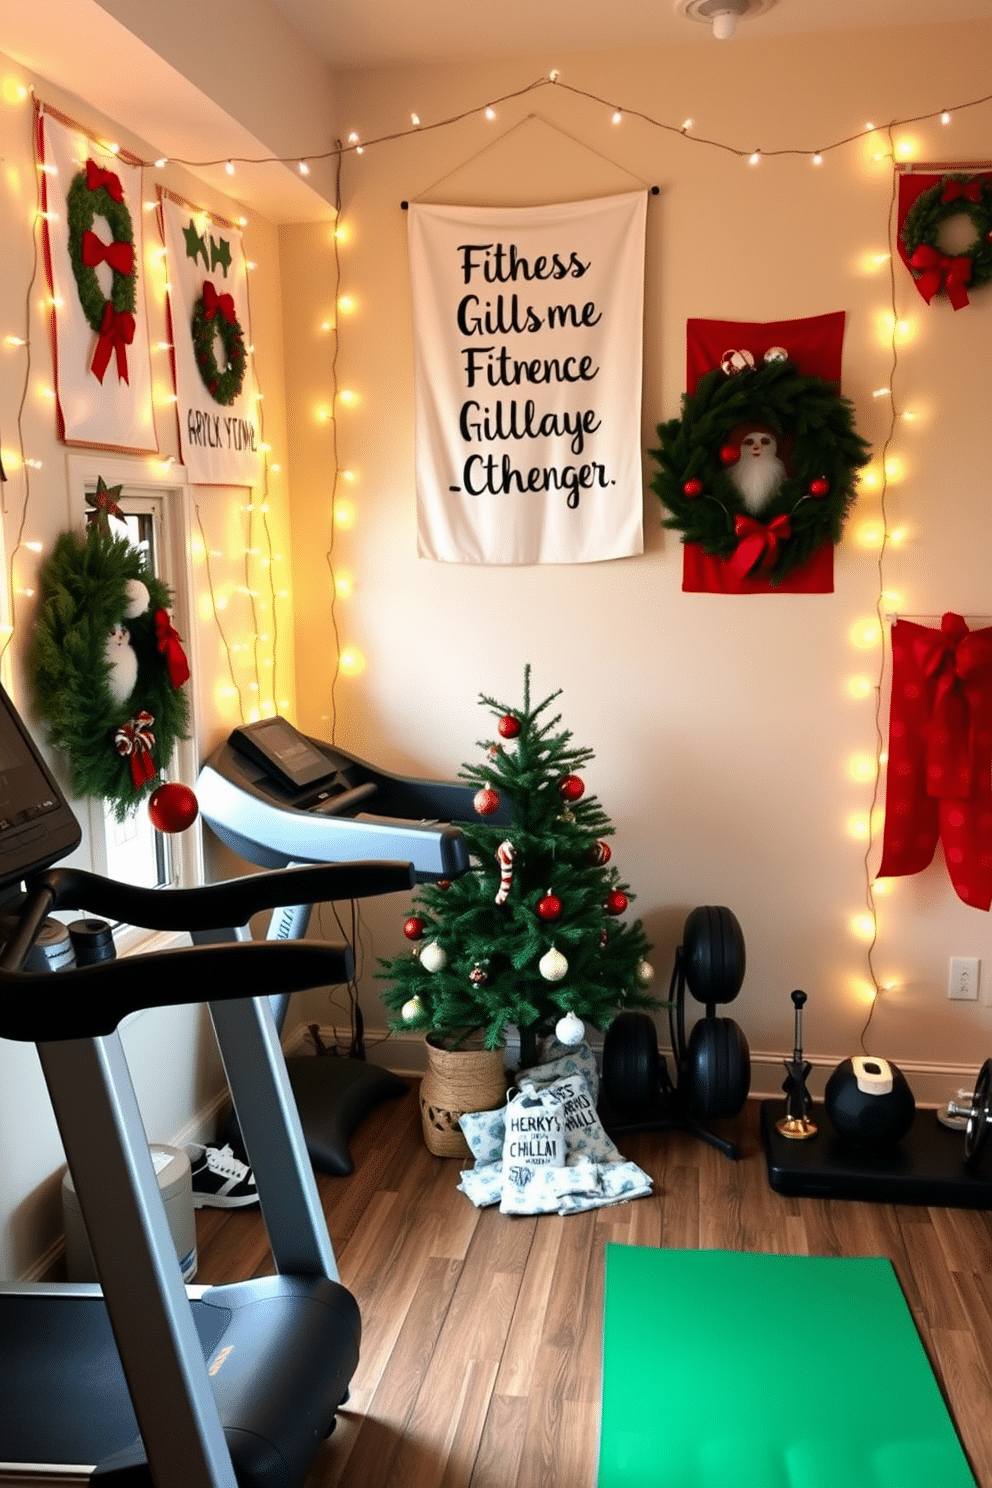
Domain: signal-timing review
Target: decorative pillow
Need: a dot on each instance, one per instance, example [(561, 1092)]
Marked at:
[(583, 1130), (563, 1060)]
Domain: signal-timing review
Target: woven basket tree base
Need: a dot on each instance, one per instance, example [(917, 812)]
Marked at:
[(458, 1081)]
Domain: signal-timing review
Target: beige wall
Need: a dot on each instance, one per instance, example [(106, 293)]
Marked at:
[(729, 748)]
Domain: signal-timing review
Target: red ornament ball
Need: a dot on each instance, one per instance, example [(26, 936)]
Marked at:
[(819, 487), (486, 801), (509, 726), (571, 788), (444, 883), (173, 807), (729, 454), (600, 853), (549, 907), (615, 902), (414, 928), (693, 488)]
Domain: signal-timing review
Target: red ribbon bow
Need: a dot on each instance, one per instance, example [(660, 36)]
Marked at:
[(758, 544), (120, 256), (170, 645), (960, 661), (970, 189), (212, 302), (95, 178), (116, 335), (135, 739), (941, 272)]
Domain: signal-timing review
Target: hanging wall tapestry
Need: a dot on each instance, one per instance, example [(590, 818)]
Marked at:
[(216, 397), (92, 223), (759, 473), (945, 231), (528, 336), (939, 777)]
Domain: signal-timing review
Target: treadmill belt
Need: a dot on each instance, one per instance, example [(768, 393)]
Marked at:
[(63, 1397)]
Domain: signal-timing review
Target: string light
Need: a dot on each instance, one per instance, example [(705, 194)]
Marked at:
[(490, 113), (303, 168), (687, 124), (817, 158), (617, 117), (229, 167), (754, 158), (415, 120), (945, 117)]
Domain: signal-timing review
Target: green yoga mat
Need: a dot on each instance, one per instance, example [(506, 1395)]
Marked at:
[(725, 1370)]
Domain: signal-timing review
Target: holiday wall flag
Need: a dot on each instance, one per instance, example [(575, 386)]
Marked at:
[(216, 397), (92, 203), (527, 340), (939, 774), (944, 235)]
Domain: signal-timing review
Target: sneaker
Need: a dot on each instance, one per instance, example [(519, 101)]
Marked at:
[(220, 1181)]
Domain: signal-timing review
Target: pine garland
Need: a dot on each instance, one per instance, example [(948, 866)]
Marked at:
[(83, 595), (223, 387), (82, 205), (557, 848), (929, 211), (824, 447)]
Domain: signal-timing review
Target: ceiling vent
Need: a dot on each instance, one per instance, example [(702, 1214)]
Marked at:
[(722, 15)]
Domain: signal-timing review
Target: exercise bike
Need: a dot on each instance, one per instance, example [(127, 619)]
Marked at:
[(141, 1381)]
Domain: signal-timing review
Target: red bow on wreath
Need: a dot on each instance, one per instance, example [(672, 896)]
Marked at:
[(135, 739), (116, 335), (120, 256), (212, 302), (970, 189), (95, 178), (170, 645), (939, 782), (757, 545), (942, 272)]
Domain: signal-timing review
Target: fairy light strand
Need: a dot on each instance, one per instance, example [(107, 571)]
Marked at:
[(335, 459), (879, 612)]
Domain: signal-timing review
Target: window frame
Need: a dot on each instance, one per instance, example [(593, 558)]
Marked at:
[(160, 489)]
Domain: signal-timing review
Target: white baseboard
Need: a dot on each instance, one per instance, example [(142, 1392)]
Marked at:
[(932, 1084)]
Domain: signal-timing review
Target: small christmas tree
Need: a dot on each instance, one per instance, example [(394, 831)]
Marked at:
[(532, 932)]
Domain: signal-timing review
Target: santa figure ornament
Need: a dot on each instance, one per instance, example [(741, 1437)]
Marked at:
[(759, 472)]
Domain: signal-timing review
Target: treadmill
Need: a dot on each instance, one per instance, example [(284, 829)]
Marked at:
[(140, 1381), (277, 797)]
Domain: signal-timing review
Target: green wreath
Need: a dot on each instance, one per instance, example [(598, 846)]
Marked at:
[(84, 594), (213, 312), (814, 427), (954, 196), (89, 197)]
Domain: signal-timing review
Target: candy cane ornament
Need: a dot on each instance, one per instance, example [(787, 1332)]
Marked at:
[(505, 855)]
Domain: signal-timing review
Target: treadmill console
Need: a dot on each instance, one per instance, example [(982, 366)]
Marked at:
[(36, 825), (285, 753), (276, 796)]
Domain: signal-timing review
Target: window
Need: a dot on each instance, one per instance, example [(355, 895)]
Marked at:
[(154, 520)]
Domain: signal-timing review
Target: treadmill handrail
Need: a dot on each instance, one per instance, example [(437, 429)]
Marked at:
[(232, 902), (90, 1001)]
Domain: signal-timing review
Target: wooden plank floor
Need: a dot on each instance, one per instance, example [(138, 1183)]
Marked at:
[(481, 1351)]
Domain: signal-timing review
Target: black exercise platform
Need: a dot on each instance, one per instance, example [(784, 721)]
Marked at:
[(926, 1167)]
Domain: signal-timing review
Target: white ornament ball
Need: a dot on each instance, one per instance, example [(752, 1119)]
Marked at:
[(411, 1010), (733, 361), (552, 965), (433, 958), (570, 1029), (776, 354), (644, 973), (137, 598)]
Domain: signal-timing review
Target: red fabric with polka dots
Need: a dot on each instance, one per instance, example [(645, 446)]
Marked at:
[(939, 782)]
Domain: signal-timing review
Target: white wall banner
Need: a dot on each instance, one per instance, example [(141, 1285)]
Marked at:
[(95, 261), (216, 396), (528, 345)]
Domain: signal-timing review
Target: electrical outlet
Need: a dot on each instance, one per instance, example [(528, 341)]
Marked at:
[(962, 981)]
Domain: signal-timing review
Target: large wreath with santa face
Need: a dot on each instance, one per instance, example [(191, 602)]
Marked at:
[(762, 466)]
